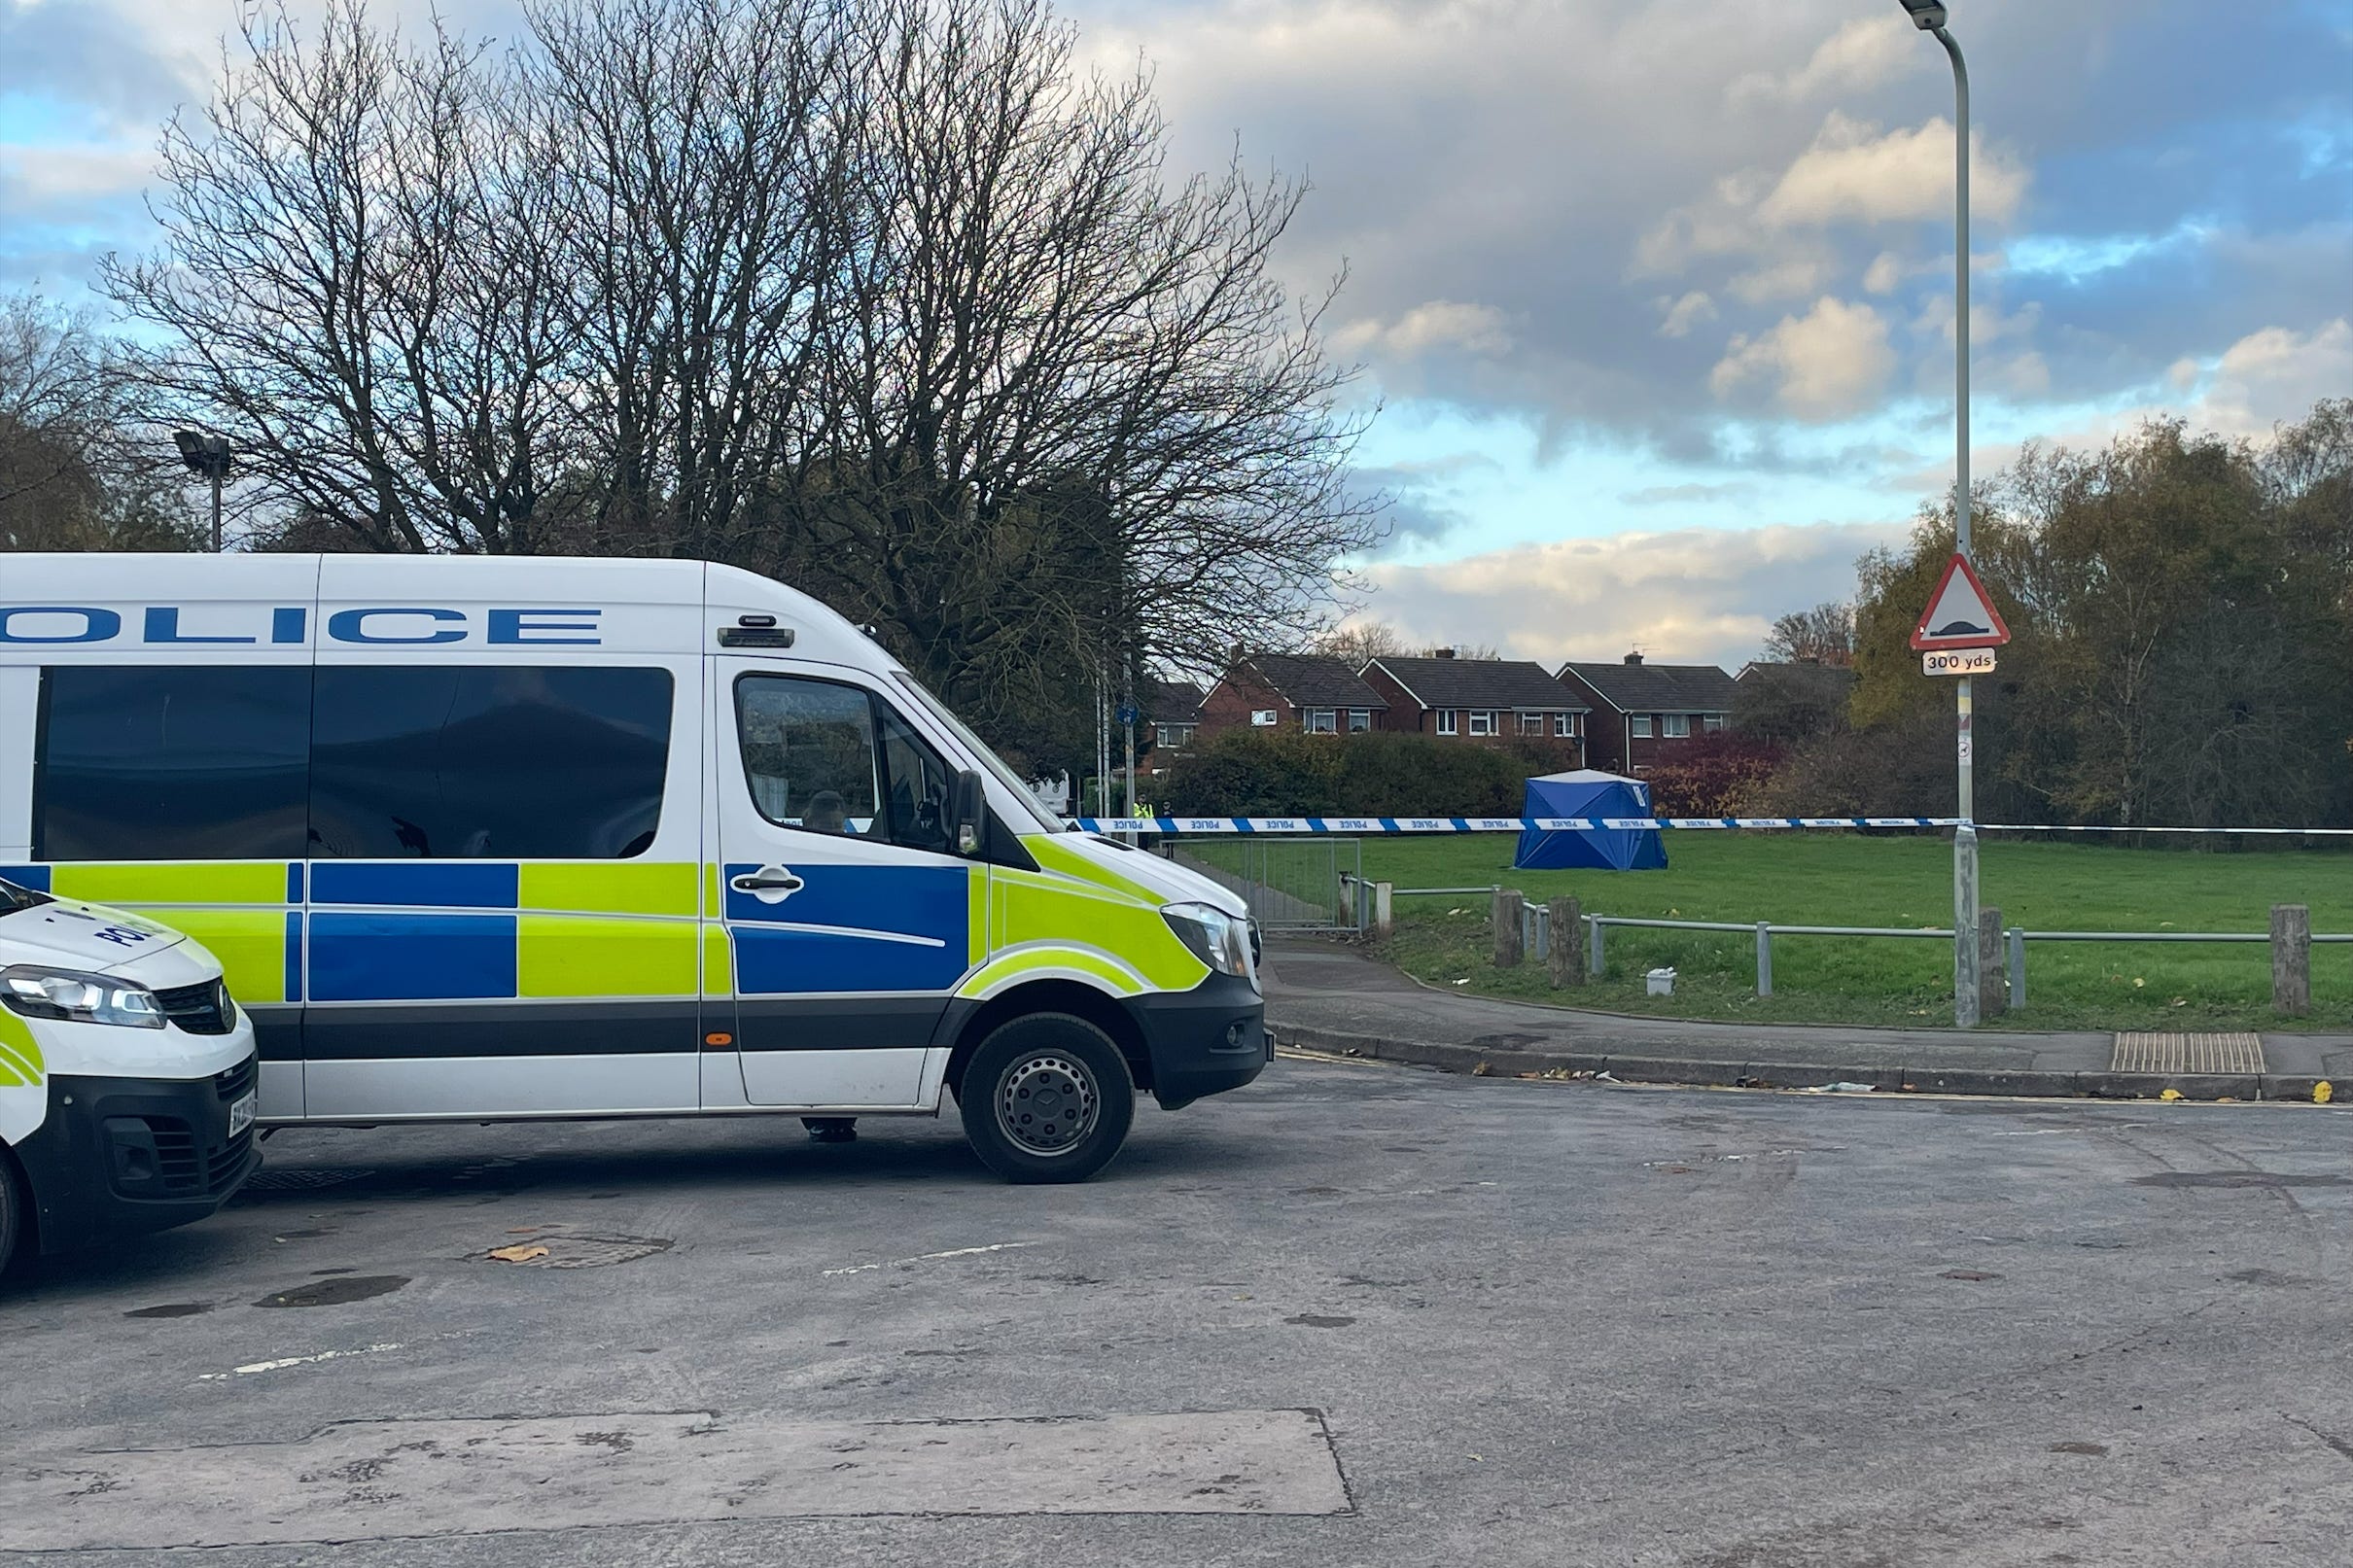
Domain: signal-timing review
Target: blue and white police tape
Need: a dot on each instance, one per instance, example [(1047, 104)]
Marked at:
[(1479, 824)]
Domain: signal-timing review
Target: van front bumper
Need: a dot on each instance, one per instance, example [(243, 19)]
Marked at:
[(1204, 1041), (120, 1156)]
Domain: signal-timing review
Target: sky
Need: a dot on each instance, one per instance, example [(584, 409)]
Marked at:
[(1654, 297)]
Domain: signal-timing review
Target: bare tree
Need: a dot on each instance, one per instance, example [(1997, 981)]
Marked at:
[(889, 298), (1359, 642), (355, 286), (1822, 634), (78, 470)]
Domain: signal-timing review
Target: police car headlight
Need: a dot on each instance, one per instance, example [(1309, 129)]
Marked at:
[(75, 997), (1216, 938)]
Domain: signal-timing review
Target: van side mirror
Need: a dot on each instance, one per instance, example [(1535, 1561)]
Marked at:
[(971, 813)]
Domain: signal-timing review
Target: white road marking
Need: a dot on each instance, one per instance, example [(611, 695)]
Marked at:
[(930, 1257), (290, 1361)]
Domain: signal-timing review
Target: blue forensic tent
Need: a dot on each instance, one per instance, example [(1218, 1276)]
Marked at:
[(1591, 794)]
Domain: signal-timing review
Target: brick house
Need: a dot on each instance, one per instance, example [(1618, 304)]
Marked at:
[(1171, 713), (1482, 701), (1641, 712), (1296, 691)]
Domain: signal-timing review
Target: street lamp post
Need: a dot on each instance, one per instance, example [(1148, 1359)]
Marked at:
[(1929, 17), (207, 455)]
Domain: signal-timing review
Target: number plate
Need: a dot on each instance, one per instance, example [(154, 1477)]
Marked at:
[(240, 1114)]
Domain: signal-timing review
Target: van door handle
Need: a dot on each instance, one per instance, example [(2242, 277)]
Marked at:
[(770, 885)]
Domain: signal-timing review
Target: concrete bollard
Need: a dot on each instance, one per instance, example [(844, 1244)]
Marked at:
[(1509, 903), (1568, 946), (1385, 918), (1992, 979), (2292, 959)]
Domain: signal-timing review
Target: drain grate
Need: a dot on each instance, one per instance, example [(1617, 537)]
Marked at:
[(555, 1250), (2189, 1054), (271, 1179)]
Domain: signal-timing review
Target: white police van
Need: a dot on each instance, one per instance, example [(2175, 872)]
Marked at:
[(481, 839), (127, 1076)]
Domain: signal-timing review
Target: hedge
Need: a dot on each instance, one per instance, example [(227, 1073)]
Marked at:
[(1286, 773)]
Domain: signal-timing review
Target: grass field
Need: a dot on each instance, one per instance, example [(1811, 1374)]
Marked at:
[(1838, 878)]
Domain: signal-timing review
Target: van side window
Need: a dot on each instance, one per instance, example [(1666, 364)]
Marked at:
[(808, 753), (501, 762), (148, 762), (832, 758)]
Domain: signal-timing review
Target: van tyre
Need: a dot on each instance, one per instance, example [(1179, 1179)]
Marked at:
[(1046, 1098), (12, 1211)]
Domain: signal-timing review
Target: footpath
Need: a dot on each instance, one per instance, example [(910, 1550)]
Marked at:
[(1329, 997)]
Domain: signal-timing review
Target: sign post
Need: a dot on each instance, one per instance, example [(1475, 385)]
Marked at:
[(1956, 635)]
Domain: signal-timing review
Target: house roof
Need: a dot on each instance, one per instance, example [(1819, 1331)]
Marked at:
[(1658, 688), (1170, 702), (1807, 679), (1501, 683), (1313, 681)]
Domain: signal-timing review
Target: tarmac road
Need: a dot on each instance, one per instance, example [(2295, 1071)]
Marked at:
[(1354, 1314)]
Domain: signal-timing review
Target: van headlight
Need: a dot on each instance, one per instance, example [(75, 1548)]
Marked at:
[(75, 997), (1216, 938)]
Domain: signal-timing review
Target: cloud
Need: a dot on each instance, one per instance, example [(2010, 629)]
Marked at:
[(1886, 271), (1436, 327), (2278, 374), (1866, 53), (1683, 314), (1793, 278), (1853, 174), (1827, 363), (1690, 595), (1665, 495)]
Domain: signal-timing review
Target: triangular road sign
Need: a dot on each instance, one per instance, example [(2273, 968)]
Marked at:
[(1960, 614)]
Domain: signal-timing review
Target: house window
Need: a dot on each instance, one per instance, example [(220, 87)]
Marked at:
[(1711, 722), (1676, 726), (1637, 725), (1174, 737), (1564, 726), (1359, 720), (1322, 721), (1262, 718), (1482, 722), (1531, 723), (1446, 721)]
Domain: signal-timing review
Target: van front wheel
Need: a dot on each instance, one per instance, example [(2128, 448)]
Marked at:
[(12, 1210), (1046, 1098)]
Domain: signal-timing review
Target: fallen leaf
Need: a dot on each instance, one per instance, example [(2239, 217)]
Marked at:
[(2323, 1093), (2138, 982), (2169, 1093), (517, 1254)]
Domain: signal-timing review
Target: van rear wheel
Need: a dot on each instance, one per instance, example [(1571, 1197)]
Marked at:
[(1046, 1098)]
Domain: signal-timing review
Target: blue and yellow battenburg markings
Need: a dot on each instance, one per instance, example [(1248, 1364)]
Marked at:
[(424, 929), (332, 932)]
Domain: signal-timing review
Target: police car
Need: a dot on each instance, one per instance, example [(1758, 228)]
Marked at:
[(126, 1075), (482, 839)]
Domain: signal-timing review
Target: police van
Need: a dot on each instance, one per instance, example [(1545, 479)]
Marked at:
[(126, 1075), (481, 839)]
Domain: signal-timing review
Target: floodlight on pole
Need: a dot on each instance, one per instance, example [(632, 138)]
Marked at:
[(207, 455), (1927, 14)]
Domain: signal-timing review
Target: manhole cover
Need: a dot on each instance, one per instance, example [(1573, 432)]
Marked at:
[(271, 1179), (559, 1251)]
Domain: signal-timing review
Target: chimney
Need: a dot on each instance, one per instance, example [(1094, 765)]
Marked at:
[(1633, 658), (1442, 653)]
